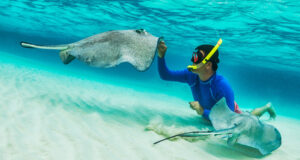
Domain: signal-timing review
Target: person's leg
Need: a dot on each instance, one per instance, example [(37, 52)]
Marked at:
[(267, 108)]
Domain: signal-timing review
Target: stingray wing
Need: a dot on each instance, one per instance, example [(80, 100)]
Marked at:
[(221, 116), (111, 48), (140, 55), (251, 132)]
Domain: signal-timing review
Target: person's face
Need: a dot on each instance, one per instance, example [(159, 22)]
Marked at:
[(200, 66)]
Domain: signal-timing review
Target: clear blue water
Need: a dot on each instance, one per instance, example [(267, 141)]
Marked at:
[(259, 55), (49, 110)]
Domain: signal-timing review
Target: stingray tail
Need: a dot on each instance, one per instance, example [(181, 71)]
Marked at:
[(199, 133), (54, 47), (64, 55)]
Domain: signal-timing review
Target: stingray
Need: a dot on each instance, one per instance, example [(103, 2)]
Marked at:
[(108, 49), (245, 132)]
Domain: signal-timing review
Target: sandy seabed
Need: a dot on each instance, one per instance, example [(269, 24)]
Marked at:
[(47, 115)]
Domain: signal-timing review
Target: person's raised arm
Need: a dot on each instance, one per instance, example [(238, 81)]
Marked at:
[(164, 72)]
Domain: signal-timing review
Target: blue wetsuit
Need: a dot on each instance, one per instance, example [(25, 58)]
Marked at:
[(207, 93)]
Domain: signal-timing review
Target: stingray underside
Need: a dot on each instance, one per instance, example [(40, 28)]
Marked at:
[(109, 49), (112, 48)]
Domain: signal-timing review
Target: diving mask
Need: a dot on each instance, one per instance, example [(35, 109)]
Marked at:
[(196, 59)]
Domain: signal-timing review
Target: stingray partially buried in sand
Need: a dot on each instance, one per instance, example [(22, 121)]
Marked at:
[(245, 132), (109, 49)]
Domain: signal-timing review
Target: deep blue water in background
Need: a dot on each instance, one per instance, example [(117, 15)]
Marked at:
[(259, 55)]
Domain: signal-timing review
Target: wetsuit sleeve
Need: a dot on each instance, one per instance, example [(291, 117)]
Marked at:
[(206, 113), (166, 74), (226, 91)]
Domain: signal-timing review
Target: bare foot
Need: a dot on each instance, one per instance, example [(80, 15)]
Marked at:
[(271, 110)]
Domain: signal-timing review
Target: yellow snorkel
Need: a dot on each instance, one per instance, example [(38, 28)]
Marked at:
[(207, 58), (191, 67)]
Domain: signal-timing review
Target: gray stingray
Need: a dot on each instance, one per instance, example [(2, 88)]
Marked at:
[(245, 129), (245, 132), (109, 49)]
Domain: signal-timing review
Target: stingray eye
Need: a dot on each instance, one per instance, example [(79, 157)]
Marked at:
[(139, 31)]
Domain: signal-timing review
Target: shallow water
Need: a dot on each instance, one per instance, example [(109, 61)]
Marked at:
[(55, 114), (55, 111)]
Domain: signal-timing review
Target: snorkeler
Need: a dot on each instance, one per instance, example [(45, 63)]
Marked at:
[(207, 86)]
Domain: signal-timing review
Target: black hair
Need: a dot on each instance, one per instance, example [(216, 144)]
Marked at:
[(206, 48)]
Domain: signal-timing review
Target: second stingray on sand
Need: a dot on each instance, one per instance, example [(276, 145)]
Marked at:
[(109, 49), (245, 132)]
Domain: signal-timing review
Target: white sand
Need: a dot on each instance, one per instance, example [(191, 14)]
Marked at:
[(46, 115)]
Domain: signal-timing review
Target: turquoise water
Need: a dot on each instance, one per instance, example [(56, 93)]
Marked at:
[(259, 55)]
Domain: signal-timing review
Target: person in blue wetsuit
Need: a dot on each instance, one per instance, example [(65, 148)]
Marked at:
[(206, 85)]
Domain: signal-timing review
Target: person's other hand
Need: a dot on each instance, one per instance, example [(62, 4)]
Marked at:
[(161, 48), (196, 106)]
